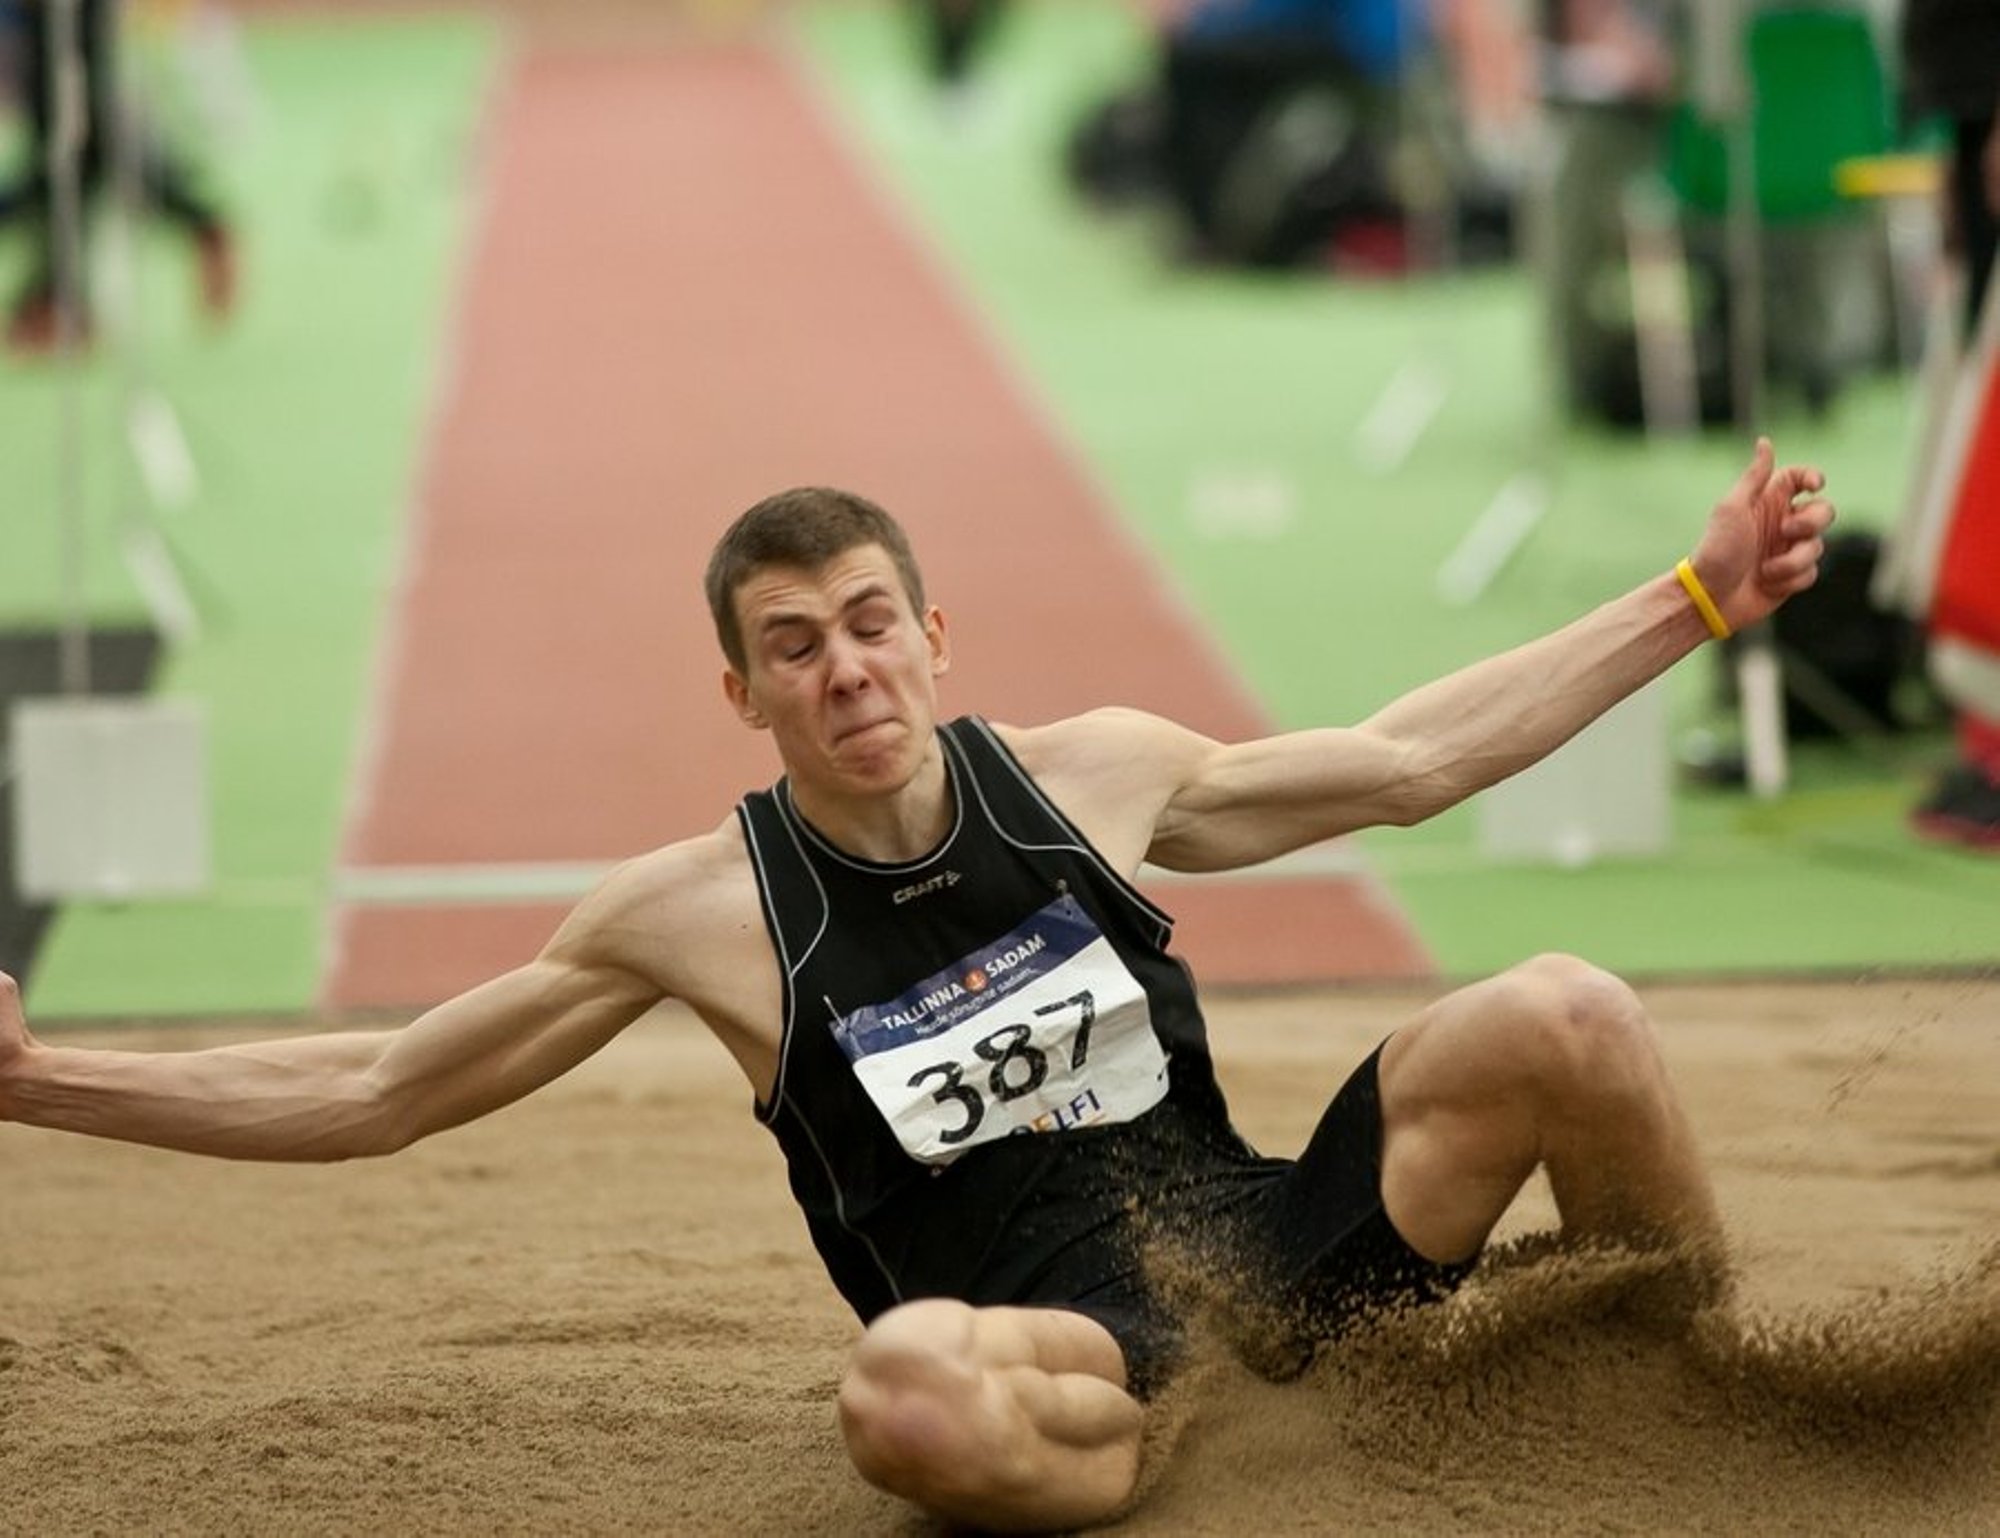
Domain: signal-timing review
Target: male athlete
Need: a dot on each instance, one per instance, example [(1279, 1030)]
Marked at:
[(989, 1079)]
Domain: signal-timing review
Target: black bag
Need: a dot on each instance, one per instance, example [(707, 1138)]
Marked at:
[(1309, 165), (1116, 152), (1849, 667)]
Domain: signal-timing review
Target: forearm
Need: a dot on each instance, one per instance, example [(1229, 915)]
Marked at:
[(1237, 804), (339, 1095), (302, 1098), (1432, 747), (1477, 726)]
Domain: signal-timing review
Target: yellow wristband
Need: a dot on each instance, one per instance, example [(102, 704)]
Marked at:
[(1705, 605)]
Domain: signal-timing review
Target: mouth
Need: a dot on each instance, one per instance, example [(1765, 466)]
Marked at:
[(850, 733)]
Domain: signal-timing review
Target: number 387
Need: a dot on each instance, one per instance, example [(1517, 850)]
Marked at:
[(1018, 1067)]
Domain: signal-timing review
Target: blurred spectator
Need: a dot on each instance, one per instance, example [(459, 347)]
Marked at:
[(1609, 77), (110, 128), (1609, 50), (1951, 54), (1281, 128), (1279, 114), (1646, 119)]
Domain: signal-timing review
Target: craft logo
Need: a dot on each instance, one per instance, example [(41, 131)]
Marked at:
[(942, 881), (975, 980)]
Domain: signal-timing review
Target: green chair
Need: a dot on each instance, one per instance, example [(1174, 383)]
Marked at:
[(1819, 100)]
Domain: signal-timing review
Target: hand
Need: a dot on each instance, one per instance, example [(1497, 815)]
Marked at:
[(1763, 543), (15, 1042)]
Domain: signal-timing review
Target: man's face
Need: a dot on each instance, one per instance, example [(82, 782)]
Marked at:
[(841, 670)]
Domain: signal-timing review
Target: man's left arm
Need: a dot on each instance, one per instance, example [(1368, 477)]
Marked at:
[(1243, 803)]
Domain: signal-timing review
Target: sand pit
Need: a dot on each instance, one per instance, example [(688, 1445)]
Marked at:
[(596, 1312)]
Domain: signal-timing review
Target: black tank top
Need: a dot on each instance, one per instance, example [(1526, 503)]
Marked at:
[(985, 1050)]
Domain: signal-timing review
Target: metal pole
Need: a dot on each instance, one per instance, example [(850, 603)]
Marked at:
[(159, 470), (68, 124), (1760, 680), (1726, 93)]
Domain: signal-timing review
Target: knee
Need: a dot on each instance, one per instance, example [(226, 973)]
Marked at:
[(1582, 1031), (902, 1400), (1569, 991)]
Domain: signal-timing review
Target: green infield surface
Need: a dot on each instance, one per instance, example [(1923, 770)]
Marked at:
[(351, 172), (1223, 416)]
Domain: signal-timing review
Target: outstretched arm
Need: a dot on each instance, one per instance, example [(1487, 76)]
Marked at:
[(337, 1095), (1238, 804)]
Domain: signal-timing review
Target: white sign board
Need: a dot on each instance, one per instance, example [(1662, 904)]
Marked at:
[(110, 798), (1607, 791)]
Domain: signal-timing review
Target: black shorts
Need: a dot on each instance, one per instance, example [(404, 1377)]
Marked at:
[(1303, 1246)]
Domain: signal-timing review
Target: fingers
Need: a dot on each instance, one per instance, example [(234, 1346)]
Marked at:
[(1761, 478), (1801, 526), (1797, 480), (1807, 520), (13, 1023), (1757, 475), (1793, 569)]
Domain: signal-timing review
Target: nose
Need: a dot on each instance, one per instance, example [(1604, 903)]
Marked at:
[(845, 674)]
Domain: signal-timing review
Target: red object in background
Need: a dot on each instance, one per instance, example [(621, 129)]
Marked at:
[(1967, 603)]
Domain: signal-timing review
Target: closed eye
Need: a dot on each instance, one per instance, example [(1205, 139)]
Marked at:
[(872, 622), (790, 643)]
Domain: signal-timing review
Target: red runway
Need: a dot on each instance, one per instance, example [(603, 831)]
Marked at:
[(681, 297)]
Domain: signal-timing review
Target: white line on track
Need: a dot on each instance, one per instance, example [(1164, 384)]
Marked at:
[(392, 886)]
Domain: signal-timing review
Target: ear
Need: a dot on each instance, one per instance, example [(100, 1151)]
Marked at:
[(939, 638), (738, 694)]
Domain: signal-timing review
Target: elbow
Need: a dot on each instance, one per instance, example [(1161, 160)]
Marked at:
[(1416, 797), (1408, 783), (1421, 792), (394, 1125), (359, 1137), (380, 1119), (370, 1142), (395, 1136)]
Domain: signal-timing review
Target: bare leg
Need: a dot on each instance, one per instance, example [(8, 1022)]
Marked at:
[(1551, 1063), (1006, 1418)]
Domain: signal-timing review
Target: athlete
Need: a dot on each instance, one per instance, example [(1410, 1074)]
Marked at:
[(989, 1078)]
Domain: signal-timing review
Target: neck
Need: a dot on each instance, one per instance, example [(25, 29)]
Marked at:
[(889, 828)]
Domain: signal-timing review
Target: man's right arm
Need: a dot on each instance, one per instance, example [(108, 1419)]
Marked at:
[(348, 1094)]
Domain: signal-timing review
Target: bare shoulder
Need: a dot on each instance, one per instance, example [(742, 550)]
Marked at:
[(687, 921), (1113, 772), (663, 913), (1114, 746)]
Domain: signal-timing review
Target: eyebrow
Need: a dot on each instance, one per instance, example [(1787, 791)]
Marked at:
[(784, 618), (869, 594)]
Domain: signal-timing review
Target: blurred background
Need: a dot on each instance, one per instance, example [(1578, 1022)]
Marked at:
[(377, 376)]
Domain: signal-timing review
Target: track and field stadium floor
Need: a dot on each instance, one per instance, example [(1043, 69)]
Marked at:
[(320, 422)]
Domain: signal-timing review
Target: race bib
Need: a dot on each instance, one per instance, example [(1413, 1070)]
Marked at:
[(1043, 1030)]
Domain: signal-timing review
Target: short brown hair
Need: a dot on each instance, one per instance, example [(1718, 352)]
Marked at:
[(804, 528)]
